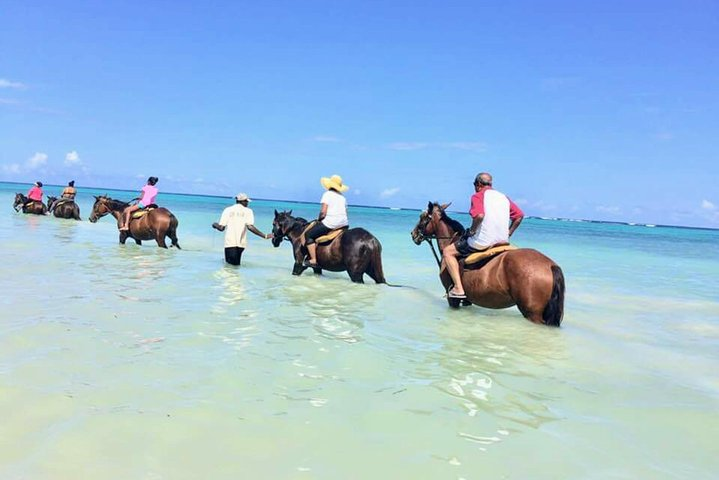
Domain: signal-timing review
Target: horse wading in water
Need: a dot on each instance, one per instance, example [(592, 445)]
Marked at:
[(154, 224), (63, 208), (21, 201), (355, 250), (523, 277)]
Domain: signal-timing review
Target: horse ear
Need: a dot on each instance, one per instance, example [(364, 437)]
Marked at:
[(430, 206), (289, 213), (276, 213), (445, 206)]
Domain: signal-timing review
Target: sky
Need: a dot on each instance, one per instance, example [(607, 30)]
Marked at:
[(596, 110)]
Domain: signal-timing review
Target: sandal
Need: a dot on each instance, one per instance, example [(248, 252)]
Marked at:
[(453, 294)]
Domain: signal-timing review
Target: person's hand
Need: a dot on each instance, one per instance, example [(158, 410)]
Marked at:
[(268, 236)]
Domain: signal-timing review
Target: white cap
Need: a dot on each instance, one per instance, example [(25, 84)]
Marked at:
[(240, 197)]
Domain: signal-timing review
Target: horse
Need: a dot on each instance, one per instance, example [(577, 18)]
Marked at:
[(523, 277), (155, 224), (63, 208), (35, 206), (355, 250)]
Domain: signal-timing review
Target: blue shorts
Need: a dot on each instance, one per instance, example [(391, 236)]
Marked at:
[(140, 204)]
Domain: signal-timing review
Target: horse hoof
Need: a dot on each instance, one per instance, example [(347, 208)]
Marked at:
[(454, 302)]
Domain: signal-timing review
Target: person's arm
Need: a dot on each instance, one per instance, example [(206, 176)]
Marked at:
[(476, 211), (323, 212), (516, 215), (222, 224), (254, 230)]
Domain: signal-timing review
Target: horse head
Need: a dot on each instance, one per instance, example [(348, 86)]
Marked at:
[(20, 199), (50, 201), (281, 226), (100, 208), (429, 222)]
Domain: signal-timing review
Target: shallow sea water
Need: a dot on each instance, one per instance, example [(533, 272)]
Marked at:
[(136, 362)]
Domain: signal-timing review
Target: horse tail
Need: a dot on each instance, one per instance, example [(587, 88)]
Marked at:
[(554, 311), (375, 267), (172, 231), (375, 264)]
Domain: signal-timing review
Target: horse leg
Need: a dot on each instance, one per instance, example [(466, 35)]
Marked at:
[(138, 241), (356, 276), (123, 237), (160, 239), (298, 268)]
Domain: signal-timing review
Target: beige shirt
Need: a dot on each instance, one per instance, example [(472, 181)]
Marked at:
[(235, 220)]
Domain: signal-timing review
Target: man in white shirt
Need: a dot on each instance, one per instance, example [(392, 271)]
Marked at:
[(494, 219), (235, 221)]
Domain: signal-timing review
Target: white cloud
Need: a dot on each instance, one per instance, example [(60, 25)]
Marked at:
[(9, 101), (72, 158), (388, 192), (4, 83), (12, 168), (408, 145), (356, 191), (613, 210), (326, 139), (664, 136), (707, 205), (469, 146), (37, 160)]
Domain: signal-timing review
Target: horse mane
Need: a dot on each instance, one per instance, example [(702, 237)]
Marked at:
[(453, 224), (299, 222), (115, 204)]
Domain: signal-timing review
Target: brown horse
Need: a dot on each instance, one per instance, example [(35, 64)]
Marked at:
[(63, 208), (28, 206), (355, 250), (156, 224), (522, 277)]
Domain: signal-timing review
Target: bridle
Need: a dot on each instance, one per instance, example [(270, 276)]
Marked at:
[(421, 231), (95, 207)]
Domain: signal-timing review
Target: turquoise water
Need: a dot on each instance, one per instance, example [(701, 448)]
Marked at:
[(136, 362)]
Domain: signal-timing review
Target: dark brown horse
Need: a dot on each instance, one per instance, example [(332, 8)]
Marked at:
[(63, 208), (522, 277), (156, 224), (28, 206), (355, 250)]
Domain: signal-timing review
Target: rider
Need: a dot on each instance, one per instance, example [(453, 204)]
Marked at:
[(147, 197), (333, 215), (70, 191), (34, 194), (491, 212)]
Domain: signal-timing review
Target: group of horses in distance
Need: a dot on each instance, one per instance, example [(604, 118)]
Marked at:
[(521, 277)]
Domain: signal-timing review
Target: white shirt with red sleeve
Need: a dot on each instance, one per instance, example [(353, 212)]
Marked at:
[(498, 210)]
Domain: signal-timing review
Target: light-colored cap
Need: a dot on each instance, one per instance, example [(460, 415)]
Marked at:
[(242, 197)]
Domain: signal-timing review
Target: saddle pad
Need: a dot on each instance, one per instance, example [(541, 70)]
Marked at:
[(330, 236), (490, 252), (142, 213)]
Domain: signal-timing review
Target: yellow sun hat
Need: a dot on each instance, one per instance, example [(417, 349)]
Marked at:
[(335, 181)]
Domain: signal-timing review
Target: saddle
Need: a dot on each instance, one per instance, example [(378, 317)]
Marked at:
[(141, 213), (474, 259), (324, 239)]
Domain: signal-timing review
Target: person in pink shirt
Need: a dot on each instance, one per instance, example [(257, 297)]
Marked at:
[(147, 198), (35, 195)]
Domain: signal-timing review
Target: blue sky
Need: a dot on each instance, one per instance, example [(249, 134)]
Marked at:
[(601, 110)]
